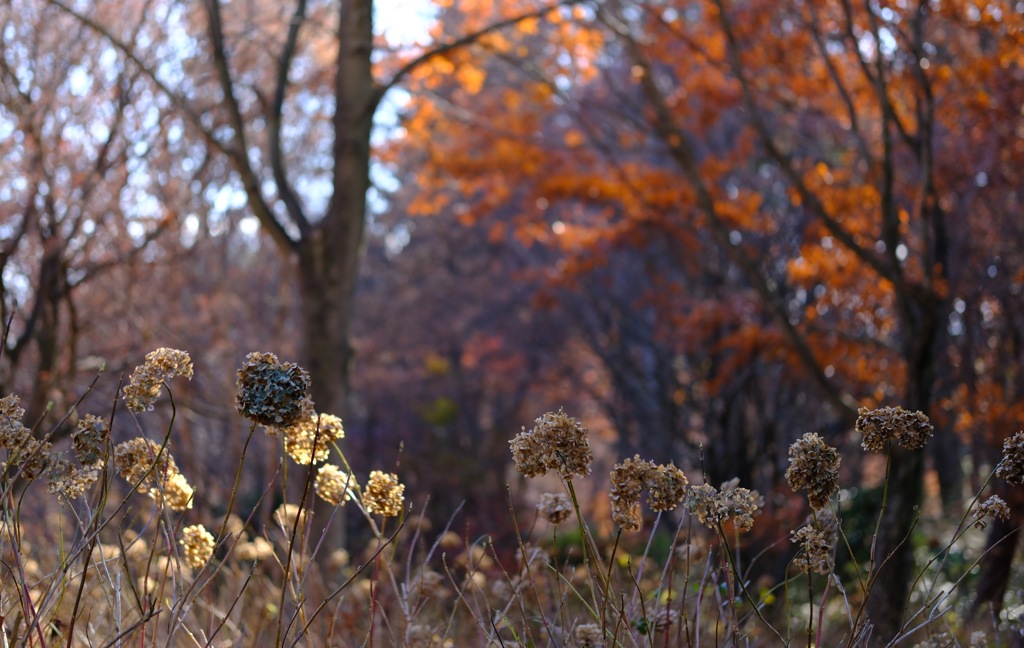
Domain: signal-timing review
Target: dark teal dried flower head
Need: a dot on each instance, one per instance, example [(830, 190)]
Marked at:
[(271, 393)]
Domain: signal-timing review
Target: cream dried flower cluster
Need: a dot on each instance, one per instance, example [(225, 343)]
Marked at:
[(713, 506), (334, 485), (814, 467), (1011, 466), (271, 393), (384, 494), (144, 384), (588, 635), (308, 440), (197, 544), (143, 462), (556, 442), (910, 430), (554, 507)]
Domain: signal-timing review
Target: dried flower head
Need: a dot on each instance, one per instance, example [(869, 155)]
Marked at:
[(814, 467), (1011, 467), (178, 493), (31, 458), (12, 432), (197, 544), (287, 515), (11, 411), (815, 549), (692, 552), (271, 393), (588, 635), (627, 483), (334, 485), (992, 508), (89, 441), (556, 442), (310, 429), (911, 430), (428, 584), (384, 494), (68, 482), (164, 483), (555, 507), (713, 507), (666, 487), (660, 619), (161, 365), (258, 549)]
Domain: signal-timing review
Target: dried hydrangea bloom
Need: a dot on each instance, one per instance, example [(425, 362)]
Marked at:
[(164, 483), (31, 458), (742, 505), (666, 487), (161, 365), (713, 507), (554, 507), (13, 433), (10, 410), (814, 467), (258, 549), (333, 485), (89, 440), (271, 393), (1011, 467), (588, 635), (286, 516), (197, 544), (178, 493), (703, 501), (556, 442), (992, 508), (815, 549), (383, 494), (627, 483), (429, 584), (910, 430), (68, 482), (299, 438), (659, 620), (692, 553)]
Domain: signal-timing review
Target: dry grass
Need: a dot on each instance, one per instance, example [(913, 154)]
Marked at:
[(101, 546)]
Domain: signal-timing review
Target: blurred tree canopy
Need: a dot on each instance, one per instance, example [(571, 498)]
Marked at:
[(709, 224)]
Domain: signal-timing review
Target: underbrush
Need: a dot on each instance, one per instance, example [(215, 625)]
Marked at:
[(115, 552)]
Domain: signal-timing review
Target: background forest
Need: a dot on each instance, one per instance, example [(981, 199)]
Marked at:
[(703, 228)]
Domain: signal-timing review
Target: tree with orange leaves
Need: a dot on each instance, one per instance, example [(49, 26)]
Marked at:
[(829, 153)]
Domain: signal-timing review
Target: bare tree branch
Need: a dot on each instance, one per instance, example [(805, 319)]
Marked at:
[(284, 187), (251, 183)]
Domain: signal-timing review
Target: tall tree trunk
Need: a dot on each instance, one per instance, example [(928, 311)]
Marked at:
[(887, 601), (328, 257)]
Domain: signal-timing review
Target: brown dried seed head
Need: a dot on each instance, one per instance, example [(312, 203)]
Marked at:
[(384, 494), (197, 544), (1011, 467), (814, 467), (556, 442), (144, 384)]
